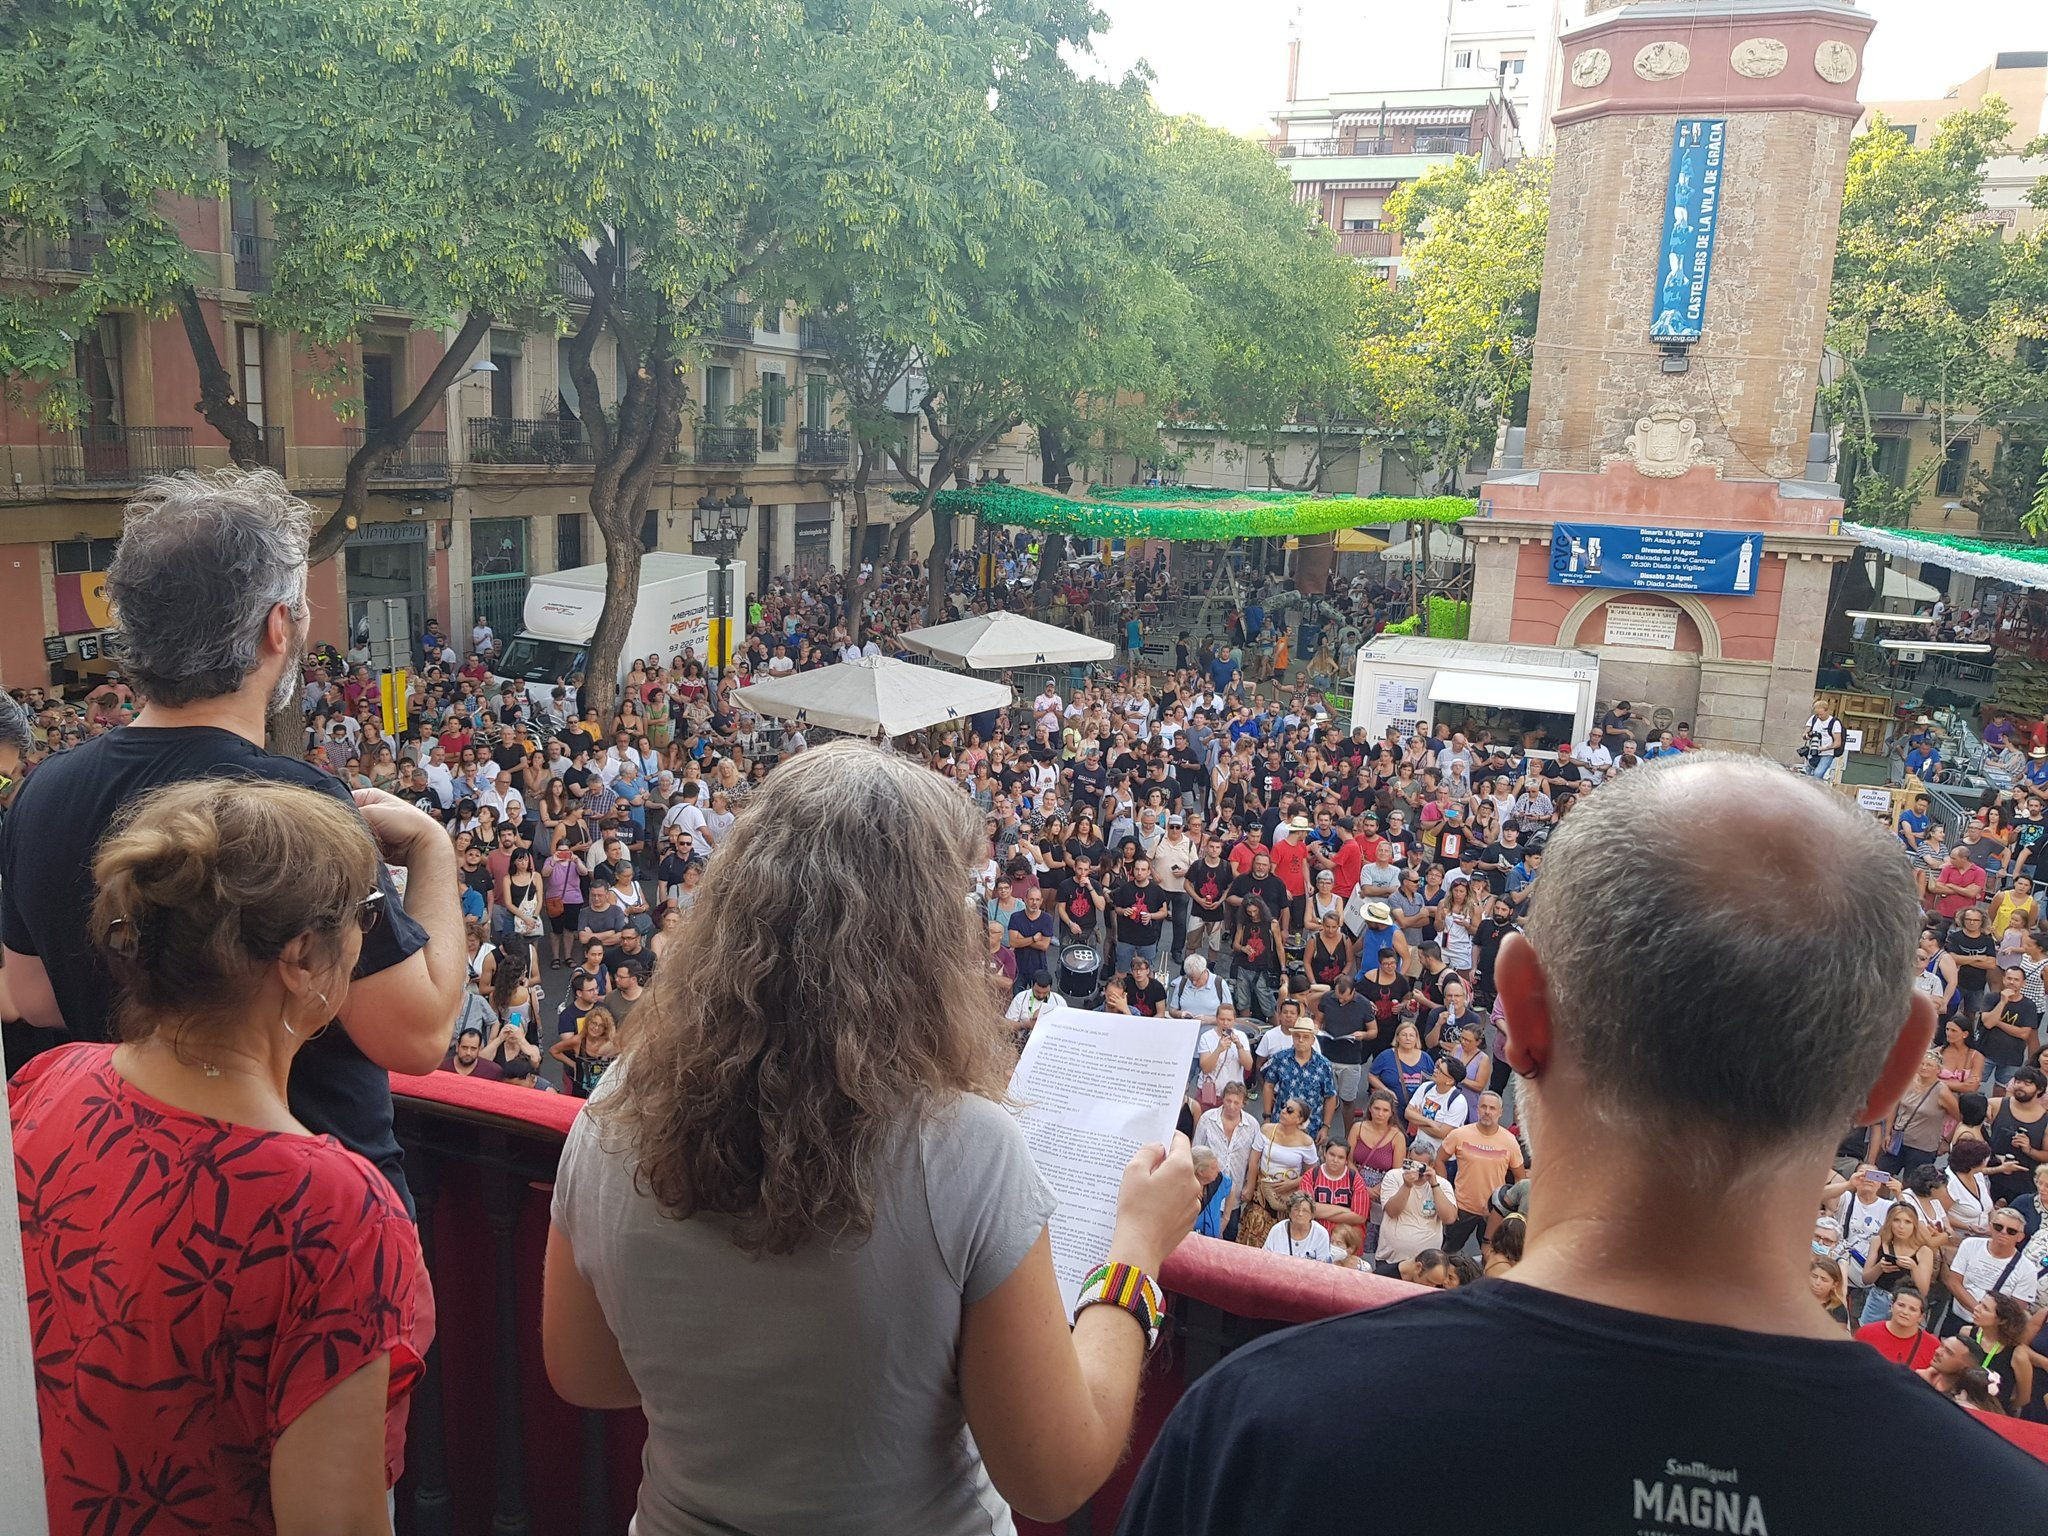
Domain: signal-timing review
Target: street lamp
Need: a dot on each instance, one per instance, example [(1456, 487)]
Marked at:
[(721, 524)]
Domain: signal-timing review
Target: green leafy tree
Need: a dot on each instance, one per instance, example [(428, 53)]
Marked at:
[(1446, 351), (1930, 303)]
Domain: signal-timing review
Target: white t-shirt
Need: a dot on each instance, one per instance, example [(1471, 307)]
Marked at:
[(1228, 1068), (1025, 1009), (691, 820), (1861, 1222), (1598, 760), (1969, 1201), (1446, 1106), (1315, 1246), (1420, 1223), (1980, 1269), (1170, 861)]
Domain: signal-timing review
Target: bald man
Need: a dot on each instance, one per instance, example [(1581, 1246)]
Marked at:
[(1715, 984)]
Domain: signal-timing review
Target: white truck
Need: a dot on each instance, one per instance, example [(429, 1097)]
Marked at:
[(1537, 696), (671, 615)]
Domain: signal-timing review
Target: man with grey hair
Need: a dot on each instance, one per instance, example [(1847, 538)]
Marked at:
[(209, 595), (1693, 1031)]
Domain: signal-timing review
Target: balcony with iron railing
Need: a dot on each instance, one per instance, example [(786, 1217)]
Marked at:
[(109, 456), (545, 441), (814, 334), (252, 261), (727, 445), (823, 445), (421, 459), (490, 1447), (735, 322), (575, 286), (1367, 146), (74, 250)]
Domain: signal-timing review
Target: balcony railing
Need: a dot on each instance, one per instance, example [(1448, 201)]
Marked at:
[(75, 250), (421, 460), (1366, 242), (814, 334), (726, 445), (575, 286), (252, 262), (121, 455), (822, 445), (512, 440), (735, 322), (1363, 146)]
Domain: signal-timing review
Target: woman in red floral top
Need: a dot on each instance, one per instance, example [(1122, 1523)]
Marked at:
[(228, 1311)]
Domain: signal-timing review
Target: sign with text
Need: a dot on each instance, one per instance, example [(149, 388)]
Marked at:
[(1655, 559), (1643, 624), (1692, 208)]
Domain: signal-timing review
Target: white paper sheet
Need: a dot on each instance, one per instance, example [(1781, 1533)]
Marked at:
[(1090, 1089)]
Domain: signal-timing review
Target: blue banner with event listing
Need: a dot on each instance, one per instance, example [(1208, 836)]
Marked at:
[(1655, 559), (1692, 207)]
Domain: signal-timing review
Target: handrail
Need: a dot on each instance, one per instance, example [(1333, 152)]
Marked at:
[(481, 1158)]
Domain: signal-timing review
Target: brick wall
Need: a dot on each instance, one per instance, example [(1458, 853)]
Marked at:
[(1752, 377)]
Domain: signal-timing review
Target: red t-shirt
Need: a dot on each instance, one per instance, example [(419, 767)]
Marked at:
[(193, 1287), (1346, 863), (1290, 863), (1915, 1354)]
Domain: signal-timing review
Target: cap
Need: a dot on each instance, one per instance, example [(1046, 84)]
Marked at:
[(1176, 821), (1378, 914)]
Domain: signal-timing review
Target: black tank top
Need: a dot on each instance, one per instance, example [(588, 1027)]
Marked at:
[(2004, 1126), (1325, 965)]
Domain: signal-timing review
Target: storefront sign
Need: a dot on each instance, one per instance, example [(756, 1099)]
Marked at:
[(1642, 624), (54, 648), (1692, 207), (1655, 559)]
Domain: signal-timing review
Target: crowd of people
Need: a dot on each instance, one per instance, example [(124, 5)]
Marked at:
[(1188, 833)]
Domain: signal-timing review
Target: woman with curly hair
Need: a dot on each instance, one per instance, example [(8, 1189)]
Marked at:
[(807, 1122)]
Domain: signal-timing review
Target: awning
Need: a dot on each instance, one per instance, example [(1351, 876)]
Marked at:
[(1360, 541), (2024, 565), (1407, 117), (1543, 695)]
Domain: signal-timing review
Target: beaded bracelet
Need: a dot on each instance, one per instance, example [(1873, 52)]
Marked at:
[(1127, 1287)]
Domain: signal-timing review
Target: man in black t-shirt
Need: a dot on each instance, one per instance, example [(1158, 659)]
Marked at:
[(1079, 903), (1145, 992), (1141, 906), (1693, 1308), (1208, 884), (208, 673)]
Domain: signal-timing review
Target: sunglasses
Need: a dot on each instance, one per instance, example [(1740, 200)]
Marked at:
[(370, 911), (2010, 1231)]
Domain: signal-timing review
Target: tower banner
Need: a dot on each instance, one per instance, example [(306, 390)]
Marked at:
[(1692, 207)]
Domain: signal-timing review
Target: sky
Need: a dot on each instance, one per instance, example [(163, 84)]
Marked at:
[(1226, 60)]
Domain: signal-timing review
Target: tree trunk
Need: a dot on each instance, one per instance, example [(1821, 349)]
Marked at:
[(1052, 555), (218, 403), (380, 444), (938, 568), (853, 590)]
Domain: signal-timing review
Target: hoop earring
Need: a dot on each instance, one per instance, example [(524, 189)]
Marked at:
[(285, 1019)]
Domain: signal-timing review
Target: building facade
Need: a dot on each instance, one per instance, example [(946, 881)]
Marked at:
[(1346, 153), (491, 490), (1908, 432), (1512, 44)]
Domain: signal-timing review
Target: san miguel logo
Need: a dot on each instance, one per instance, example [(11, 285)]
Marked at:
[(1692, 1496)]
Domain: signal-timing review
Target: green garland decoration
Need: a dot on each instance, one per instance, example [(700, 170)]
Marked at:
[(1407, 626), (1188, 512), (1450, 618)]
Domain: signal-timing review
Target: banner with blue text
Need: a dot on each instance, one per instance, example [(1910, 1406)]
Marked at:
[(1655, 559)]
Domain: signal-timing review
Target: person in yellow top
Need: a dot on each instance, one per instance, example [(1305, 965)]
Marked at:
[(2016, 908)]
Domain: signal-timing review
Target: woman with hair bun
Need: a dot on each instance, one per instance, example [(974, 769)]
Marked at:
[(796, 1224), (226, 1307)]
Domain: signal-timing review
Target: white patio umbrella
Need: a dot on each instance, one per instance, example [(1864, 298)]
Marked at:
[(877, 694), (1445, 544), (990, 641)]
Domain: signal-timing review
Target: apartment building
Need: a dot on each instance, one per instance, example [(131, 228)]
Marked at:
[(489, 492), (1346, 153), (1512, 44)]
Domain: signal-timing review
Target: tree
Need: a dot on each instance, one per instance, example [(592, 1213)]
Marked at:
[(1446, 351), (1930, 303), (373, 144), (1276, 304)]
